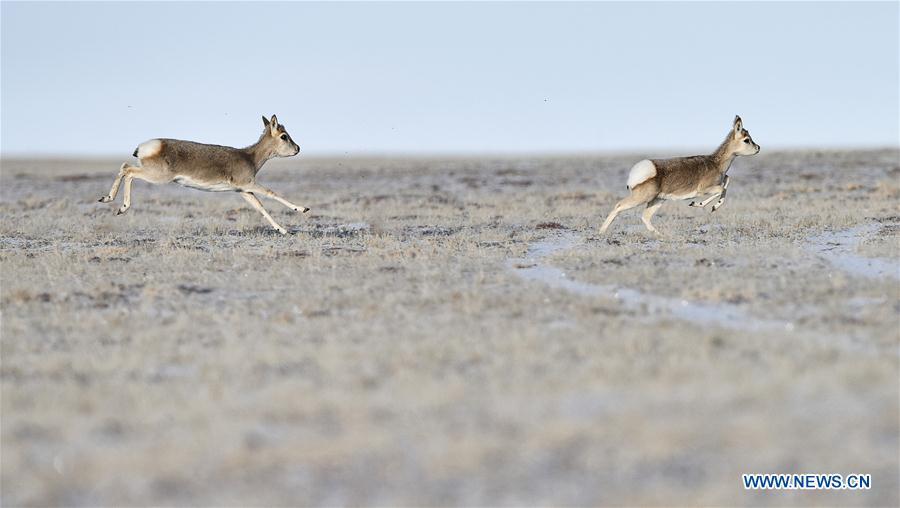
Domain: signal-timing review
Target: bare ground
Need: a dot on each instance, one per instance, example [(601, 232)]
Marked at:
[(391, 352)]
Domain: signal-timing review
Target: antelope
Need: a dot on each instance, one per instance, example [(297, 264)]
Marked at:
[(211, 168), (653, 181)]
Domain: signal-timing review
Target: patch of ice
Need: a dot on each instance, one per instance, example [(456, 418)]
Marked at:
[(839, 248), (726, 315)]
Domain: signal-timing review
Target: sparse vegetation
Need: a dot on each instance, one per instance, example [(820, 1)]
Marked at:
[(386, 353)]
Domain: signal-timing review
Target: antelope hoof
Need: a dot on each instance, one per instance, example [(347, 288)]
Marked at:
[(104, 199), (122, 210), (282, 231), (693, 203), (305, 209)]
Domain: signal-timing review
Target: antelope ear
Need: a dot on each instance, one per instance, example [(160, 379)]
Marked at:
[(738, 124), (273, 123), (265, 121)]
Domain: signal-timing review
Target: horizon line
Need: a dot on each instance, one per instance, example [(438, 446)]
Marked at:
[(468, 154)]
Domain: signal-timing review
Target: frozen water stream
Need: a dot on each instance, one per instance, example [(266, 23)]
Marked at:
[(839, 248), (532, 268)]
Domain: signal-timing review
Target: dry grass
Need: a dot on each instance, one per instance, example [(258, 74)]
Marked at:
[(186, 354)]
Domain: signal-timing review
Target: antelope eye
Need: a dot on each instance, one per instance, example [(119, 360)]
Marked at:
[(747, 140), (284, 137)]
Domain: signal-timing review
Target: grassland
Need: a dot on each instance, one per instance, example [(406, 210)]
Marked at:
[(389, 351)]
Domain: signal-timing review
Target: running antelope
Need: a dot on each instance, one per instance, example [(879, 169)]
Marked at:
[(211, 168), (653, 181)]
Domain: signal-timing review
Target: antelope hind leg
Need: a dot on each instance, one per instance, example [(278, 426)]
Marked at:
[(150, 174), (126, 201), (652, 207), (627, 203), (116, 184)]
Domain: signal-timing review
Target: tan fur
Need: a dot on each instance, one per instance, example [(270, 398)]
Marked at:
[(688, 177), (211, 168)]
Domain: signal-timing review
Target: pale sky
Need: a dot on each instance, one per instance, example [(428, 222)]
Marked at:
[(99, 78)]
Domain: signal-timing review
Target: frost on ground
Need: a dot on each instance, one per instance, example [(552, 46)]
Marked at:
[(404, 346)]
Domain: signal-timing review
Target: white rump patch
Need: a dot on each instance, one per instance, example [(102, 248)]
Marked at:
[(149, 148), (640, 173), (204, 186)]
